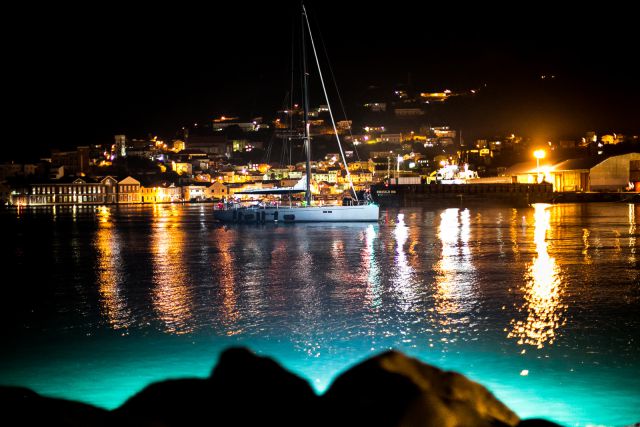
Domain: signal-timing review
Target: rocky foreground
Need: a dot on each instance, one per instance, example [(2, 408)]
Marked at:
[(244, 389)]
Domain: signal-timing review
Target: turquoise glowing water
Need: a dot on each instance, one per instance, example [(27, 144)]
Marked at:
[(538, 304)]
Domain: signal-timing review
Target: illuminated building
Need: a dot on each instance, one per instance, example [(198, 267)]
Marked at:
[(392, 138), (179, 145), (408, 112), (612, 174), (376, 107), (194, 192), (120, 146), (223, 122), (572, 175), (182, 168), (129, 190), (80, 191), (615, 173), (217, 190), (430, 97), (362, 165), (160, 193)]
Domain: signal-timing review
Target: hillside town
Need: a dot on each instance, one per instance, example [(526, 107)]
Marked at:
[(392, 141)]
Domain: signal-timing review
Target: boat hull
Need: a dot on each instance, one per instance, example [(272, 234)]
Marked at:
[(359, 213)]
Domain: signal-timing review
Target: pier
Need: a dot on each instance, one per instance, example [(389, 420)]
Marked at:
[(402, 195), (515, 194)]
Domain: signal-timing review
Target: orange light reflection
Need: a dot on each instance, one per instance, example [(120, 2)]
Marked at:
[(113, 305), (543, 290), (171, 296)]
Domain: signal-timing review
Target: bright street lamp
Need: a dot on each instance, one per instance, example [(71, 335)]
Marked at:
[(538, 154)]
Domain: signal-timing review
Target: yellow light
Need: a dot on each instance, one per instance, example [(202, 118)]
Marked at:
[(543, 309), (539, 154)]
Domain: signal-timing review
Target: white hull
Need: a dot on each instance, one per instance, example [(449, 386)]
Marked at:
[(358, 213)]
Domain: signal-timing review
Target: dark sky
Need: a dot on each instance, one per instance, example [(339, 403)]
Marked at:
[(79, 76)]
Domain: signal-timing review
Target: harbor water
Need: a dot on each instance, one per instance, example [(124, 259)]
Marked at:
[(540, 304)]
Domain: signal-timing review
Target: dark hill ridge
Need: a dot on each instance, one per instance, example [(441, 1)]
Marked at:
[(244, 389)]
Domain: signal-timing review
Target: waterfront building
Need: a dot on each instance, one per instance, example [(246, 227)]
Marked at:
[(572, 174), (78, 191), (160, 193), (129, 190), (194, 192), (615, 173)]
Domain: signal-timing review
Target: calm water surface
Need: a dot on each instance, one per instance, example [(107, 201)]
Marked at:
[(539, 304)]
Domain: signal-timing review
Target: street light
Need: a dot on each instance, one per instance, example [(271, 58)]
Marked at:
[(538, 154), (400, 159)]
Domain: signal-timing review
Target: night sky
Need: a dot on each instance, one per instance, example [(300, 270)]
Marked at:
[(79, 76)]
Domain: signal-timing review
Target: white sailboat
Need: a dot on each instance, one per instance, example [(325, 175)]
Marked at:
[(358, 211)]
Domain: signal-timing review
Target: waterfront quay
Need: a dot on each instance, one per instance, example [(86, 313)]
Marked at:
[(401, 195), (499, 193)]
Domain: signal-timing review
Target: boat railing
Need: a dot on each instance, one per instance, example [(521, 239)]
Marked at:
[(253, 205)]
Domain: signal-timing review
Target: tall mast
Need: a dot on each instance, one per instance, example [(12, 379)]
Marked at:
[(326, 96), (305, 104)]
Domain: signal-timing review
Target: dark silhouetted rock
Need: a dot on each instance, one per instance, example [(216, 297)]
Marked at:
[(255, 390), (185, 402), (23, 407), (395, 390), (244, 389), (390, 390)]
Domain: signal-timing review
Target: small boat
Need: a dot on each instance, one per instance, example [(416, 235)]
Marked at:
[(309, 211)]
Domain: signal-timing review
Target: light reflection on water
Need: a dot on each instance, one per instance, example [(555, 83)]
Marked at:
[(454, 271), (542, 290), (114, 306), (163, 290), (172, 299)]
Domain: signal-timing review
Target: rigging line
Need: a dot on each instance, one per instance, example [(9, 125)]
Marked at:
[(293, 66), (305, 101), (324, 89), (275, 131), (267, 155), (286, 142), (335, 83)]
